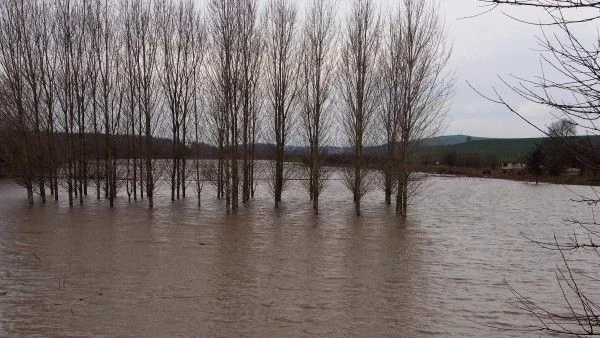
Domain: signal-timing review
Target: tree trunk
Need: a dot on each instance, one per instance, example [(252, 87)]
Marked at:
[(388, 188), (42, 189), (30, 194), (278, 175)]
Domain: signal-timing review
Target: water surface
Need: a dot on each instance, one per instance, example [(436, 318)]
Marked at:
[(180, 271)]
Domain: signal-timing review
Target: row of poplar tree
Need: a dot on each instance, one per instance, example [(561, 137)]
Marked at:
[(87, 86)]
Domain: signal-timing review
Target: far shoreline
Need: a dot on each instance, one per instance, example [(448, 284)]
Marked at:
[(518, 176)]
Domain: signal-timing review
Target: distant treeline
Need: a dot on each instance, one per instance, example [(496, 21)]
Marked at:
[(95, 147), (491, 155), (469, 160)]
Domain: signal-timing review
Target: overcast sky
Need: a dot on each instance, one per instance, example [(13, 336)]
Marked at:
[(486, 47)]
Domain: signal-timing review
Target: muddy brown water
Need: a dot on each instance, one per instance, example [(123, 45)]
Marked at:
[(176, 271)]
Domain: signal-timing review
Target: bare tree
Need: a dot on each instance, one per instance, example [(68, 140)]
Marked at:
[(389, 117), (568, 85), (133, 122), (562, 128), (225, 84), (112, 90), (69, 38), (318, 80), (143, 36), (251, 45), (422, 87), (177, 29), (194, 94), (217, 129), (282, 72), (33, 36), (359, 89), (197, 114), (47, 50), (95, 36), (80, 51), (235, 70), (19, 77)]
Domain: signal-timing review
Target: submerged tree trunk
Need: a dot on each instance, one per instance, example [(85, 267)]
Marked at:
[(358, 87), (282, 84)]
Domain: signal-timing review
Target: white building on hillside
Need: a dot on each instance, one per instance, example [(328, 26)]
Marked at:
[(510, 166)]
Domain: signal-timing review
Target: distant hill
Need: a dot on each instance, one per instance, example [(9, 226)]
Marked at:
[(505, 150), (438, 141)]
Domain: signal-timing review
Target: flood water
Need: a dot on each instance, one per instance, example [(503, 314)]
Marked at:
[(177, 271)]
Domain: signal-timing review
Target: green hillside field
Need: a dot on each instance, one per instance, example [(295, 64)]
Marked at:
[(505, 150)]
